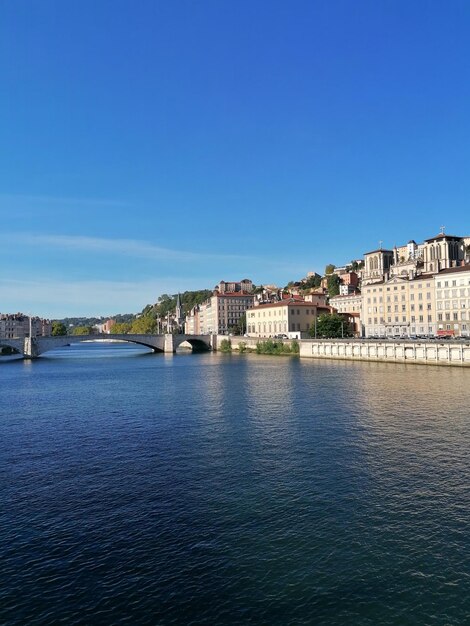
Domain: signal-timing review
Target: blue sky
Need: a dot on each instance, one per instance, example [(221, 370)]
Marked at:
[(152, 147)]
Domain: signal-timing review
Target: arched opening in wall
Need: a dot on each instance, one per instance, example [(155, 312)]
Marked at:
[(8, 351), (193, 345)]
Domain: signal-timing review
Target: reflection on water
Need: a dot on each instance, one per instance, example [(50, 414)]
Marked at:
[(232, 489)]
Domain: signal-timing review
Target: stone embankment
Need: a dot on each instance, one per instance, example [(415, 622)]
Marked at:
[(444, 352), (422, 352)]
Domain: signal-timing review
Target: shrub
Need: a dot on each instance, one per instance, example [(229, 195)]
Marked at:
[(225, 345), (276, 347)]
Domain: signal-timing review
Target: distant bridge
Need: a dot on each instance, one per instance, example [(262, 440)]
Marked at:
[(32, 348)]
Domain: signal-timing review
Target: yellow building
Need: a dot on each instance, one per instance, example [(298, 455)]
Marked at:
[(399, 307), (453, 301), (288, 317)]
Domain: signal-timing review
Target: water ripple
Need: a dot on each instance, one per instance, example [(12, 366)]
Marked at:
[(211, 489)]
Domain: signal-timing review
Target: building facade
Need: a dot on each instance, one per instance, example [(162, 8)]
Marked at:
[(17, 326), (351, 306), (399, 289), (453, 301), (288, 317), (399, 307), (219, 314)]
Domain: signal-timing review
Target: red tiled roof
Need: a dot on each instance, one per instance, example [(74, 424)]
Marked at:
[(307, 305)]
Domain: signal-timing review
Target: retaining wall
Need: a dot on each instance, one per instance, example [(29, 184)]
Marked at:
[(429, 353)]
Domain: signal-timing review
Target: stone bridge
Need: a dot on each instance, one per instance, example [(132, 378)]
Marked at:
[(32, 348)]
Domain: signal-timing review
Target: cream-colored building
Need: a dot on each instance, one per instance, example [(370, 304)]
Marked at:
[(219, 313), (350, 305), (399, 307), (288, 317), (398, 286), (453, 301)]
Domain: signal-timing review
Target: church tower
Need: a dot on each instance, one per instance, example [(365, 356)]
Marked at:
[(376, 265), (179, 314), (442, 252)]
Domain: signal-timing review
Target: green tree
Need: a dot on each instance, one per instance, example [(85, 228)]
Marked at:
[(330, 326), (121, 328), (329, 269), (312, 282), (333, 282), (240, 327), (144, 325), (58, 329), (82, 330)]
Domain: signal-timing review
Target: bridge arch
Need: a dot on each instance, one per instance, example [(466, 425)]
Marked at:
[(34, 347), (46, 344), (198, 344)]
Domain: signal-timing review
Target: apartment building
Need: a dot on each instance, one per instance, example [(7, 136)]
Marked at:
[(219, 313), (399, 292), (289, 317), (453, 301), (399, 307), (350, 305), (17, 325)]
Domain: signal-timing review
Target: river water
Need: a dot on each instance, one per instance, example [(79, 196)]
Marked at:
[(232, 489)]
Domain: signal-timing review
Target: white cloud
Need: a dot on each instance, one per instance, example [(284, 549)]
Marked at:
[(127, 247), (64, 200), (57, 299)]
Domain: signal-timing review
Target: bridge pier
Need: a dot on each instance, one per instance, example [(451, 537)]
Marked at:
[(30, 348), (169, 344)]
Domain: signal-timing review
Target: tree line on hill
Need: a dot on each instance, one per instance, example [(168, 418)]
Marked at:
[(146, 322)]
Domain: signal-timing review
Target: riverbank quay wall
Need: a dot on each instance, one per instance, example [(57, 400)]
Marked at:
[(419, 352)]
